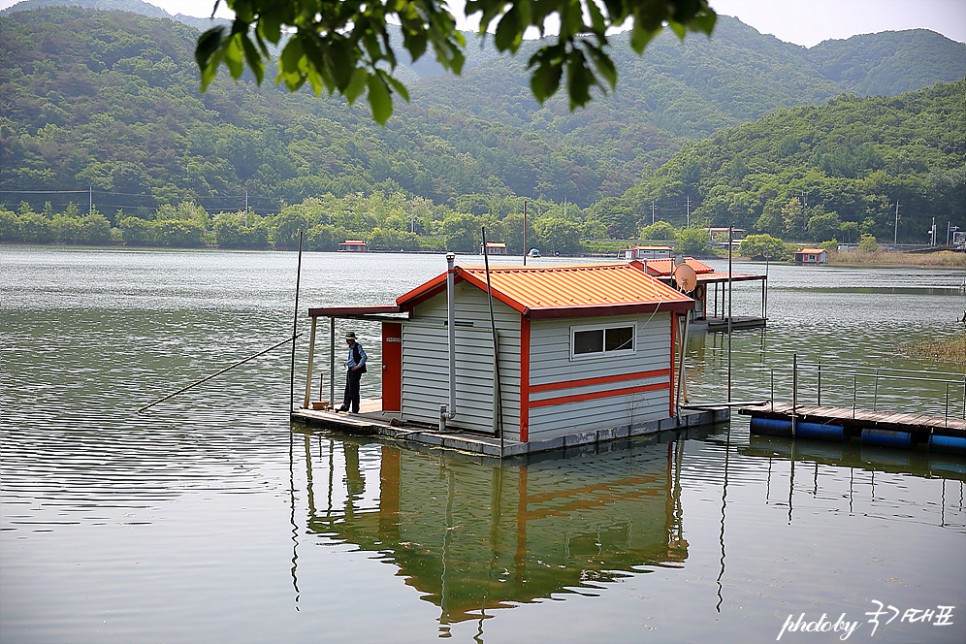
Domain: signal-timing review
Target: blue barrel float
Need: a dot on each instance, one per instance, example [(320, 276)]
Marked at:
[(886, 438), (946, 443), (814, 431)]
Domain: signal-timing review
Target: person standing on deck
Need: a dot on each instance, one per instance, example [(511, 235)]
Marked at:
[(355, 367)]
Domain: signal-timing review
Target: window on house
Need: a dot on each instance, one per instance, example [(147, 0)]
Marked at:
[(587, 342)]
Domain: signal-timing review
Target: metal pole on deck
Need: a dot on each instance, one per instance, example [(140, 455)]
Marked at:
[(332, 361), (496, 346), (295, 328), (524, 233), (308, 376), (794, 392), (731, 230)]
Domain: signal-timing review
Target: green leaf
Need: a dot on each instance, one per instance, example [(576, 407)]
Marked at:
[(380, 100), (208, 44), (641, 37), (545, 79), (704, 21), (234, 56), (509, 33), (398, 87), (596, 17), (603, 63), (253, 59), (353, 90), (579, 79)]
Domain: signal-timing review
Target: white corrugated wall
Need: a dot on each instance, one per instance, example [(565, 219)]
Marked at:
[(425, 374), (550, 364)]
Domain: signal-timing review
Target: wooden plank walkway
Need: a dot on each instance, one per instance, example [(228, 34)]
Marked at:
[(915, 423)]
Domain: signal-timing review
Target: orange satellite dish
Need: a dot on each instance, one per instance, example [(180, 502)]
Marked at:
[(685, 278)]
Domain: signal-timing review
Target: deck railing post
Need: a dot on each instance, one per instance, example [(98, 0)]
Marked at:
[(819, 385), (773, 390), (855, 387), (875, 392), (946, 419), (964, 398)]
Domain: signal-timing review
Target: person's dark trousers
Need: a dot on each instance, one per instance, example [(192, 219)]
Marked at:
[(351, 398)]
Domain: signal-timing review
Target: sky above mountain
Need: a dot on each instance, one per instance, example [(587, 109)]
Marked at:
[(803, 22)]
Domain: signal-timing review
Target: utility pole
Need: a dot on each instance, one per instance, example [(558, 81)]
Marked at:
[(895, 236), (90, 199), (652, 213), (804, 210), (246, 201), (524, 232), (689, 211)]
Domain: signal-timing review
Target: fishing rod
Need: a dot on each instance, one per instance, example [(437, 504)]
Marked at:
[(207, 378)]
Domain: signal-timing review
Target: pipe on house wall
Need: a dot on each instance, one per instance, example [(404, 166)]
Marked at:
[(448, 413)]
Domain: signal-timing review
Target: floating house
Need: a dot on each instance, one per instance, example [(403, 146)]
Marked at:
[(710, 292), (493, 248), (810, 256), (541, 357), (353, 246), (647, 252)]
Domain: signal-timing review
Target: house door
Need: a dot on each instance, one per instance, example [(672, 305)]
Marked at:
[(391, 366)]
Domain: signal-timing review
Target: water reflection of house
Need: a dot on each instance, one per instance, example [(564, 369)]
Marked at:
[(472, 537)]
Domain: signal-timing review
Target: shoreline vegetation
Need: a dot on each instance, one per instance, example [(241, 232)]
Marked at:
[(938, 259), (949, 351), (944, 259)]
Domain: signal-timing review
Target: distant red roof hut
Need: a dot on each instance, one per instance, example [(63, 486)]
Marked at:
[(494, 248), (811, 256), (647, 252), (353, 246)]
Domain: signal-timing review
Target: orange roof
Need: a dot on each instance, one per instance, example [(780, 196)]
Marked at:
[(811, 251), (665, 267), (564, 291)]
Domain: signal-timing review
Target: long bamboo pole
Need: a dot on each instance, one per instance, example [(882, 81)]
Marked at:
[(295, 327), (207, 378)]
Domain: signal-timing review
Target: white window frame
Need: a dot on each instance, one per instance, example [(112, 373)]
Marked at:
[(604, 352)]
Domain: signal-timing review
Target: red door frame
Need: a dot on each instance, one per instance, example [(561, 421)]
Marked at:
[(391, 366)]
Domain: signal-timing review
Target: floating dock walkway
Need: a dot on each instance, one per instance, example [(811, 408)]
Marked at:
[(373, 421), (843, 424)]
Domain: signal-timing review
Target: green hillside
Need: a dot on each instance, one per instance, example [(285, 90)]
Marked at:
[(104, 105), (826, 171)]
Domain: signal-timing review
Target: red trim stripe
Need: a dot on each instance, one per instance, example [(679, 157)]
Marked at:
[(600, 380), (563, 400)]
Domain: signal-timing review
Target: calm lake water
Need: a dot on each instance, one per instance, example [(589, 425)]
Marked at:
[(210, 518)]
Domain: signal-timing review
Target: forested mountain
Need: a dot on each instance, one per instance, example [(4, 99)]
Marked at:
[(823, 172), (106, 103)]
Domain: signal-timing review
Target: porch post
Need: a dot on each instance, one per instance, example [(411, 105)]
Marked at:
[(308, 376), (332, 361)]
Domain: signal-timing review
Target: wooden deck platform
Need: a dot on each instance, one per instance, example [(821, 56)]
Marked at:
[(373, 421), (842, 424), (737, 322)]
